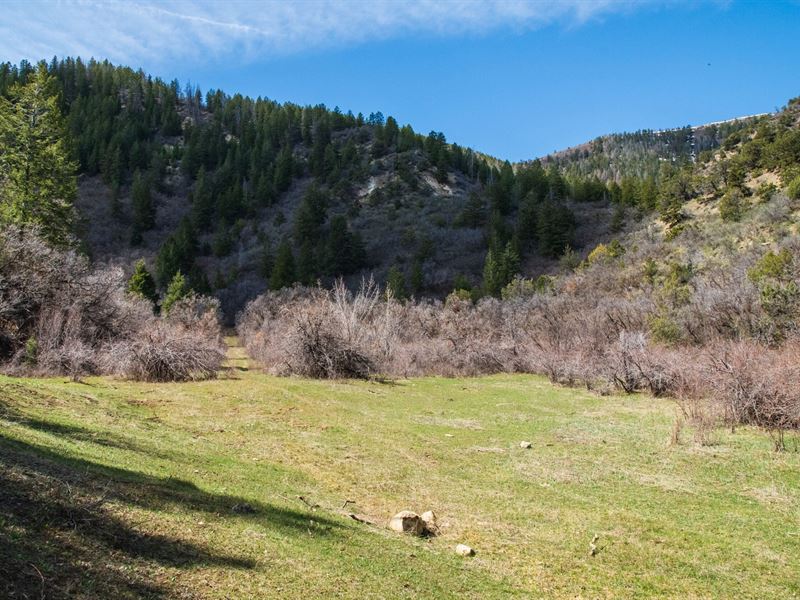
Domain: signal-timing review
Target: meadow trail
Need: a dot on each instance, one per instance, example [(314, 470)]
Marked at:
[(236, 359)]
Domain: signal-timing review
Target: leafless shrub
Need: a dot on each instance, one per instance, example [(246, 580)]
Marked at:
[(758, 386), (200, 314), (321, 353), (624, 361), (59, 315), (453, 338), (321, 333), (164, 351)]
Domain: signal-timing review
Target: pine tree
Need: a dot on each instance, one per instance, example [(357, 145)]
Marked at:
[(417, 280), (492, 273), (336, 254), (557, 185), (510, 262), (283, 169), (283, 272), (391, 131), (648, 194), (177, 254), (555, 226), (526, 220), (358, 252), (396, 283), (344, 250), (142, 284), (474, 213), (202, 201), (266, 261), (144, 213), (501, 192), (176, 290), (307, 264), (37, 175), (500, 268), (310, 216), (618, 218)]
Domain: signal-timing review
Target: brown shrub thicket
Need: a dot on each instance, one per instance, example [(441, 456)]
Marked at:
[(718, 368), (59, 315), (757, 385), (187, 345)]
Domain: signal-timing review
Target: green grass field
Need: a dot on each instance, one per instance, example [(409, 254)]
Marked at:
[(110, 489)]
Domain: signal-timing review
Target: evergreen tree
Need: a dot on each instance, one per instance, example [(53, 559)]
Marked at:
[(500, 268), (357, 252), (501, 192), (283, 272), (461, 282), (144, 213), (510, 262), (202, 201), (556, 183), (618, 218), (307, 264), (417, 279), (310, 216), (142, 284), (474, 213), (648, 194), (266, 261), (391, 131), (555, 226), (176, 290), (492, 273), (396, 283), (37, 176), (526, 220), (223, 242), (344, 251), (177, 253), (284, 168), (675, 190), (629, 191)]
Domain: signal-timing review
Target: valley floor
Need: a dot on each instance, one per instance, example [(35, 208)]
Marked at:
[(240, 488)]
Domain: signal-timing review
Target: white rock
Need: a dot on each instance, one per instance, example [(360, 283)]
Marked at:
[(464, 550), (525, 445), (407, 521), (430, 522)]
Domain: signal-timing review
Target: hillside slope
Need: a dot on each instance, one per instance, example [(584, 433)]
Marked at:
[(243, 194), (240, 193), (640, 154)]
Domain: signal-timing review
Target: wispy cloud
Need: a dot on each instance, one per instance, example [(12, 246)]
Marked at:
[(151, 32)]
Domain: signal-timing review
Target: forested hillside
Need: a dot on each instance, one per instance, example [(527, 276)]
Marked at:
[(241, 194), (640, 154)]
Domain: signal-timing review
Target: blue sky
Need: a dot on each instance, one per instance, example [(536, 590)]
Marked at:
[(514, 79)]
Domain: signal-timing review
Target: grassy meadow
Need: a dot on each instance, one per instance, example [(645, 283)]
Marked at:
[(242, 487)]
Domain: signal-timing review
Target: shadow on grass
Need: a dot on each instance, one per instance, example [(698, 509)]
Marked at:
[(75, 432), (60, 536), (80, 434)]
